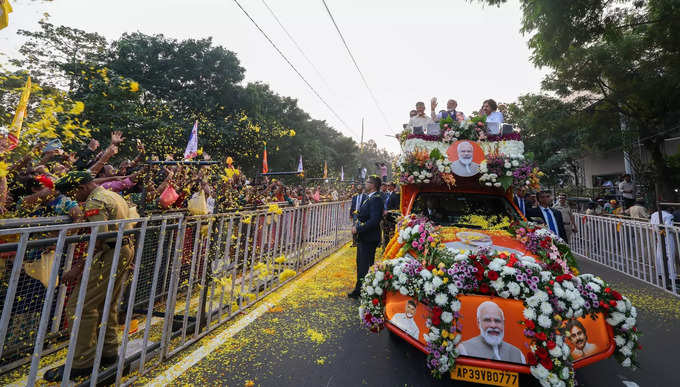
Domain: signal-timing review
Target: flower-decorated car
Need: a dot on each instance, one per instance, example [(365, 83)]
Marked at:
[(484, 293)]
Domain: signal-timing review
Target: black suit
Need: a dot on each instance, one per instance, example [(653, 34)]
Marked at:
[(368, 235), (521, 202), (353, 215), (394, 201), (538, 213)]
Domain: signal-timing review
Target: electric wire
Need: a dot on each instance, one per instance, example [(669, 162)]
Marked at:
[(294, 68), (356, 65), (323, 79)]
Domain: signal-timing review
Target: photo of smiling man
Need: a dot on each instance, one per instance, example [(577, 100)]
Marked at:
[(489, 343), (577, 338), (405, 321)]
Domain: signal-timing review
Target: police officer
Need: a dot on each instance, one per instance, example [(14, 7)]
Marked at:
[(367, 230), (100, 205)]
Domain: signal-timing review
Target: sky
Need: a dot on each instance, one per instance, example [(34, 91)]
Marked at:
[(408, 51)]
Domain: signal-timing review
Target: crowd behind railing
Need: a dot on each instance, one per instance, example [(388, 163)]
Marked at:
[(29, 183)]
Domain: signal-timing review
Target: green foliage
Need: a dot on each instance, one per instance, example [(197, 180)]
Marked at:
[(153, 88), (618, 58)]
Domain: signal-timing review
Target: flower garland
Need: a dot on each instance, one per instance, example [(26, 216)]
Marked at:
[(421, 167), (551, 249), (505, 171), (548, 300)]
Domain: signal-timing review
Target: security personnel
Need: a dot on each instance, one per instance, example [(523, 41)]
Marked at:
[(367, 229), (100, 205)]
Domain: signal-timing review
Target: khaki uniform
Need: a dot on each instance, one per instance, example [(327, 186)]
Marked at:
[(102, 205), (566, 218)]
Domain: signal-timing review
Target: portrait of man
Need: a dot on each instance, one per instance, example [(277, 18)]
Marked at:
[(577, 336), (464, 166), (489, 343), (405, 321)]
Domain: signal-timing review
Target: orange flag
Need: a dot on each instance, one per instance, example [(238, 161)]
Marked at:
[(265, 166)]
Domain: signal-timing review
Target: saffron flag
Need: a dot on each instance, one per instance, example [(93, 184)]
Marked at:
[(5, 9), (191, 150), (325, 170), (265, 166), (300, 168), (342, 173), (19, 115)]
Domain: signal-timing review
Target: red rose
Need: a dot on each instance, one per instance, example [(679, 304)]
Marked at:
[(376, 301), (436, 320), (430, 267), (368, 317), (542, 353), (551, 344), (437, 311), (547, 364), (531, 359), (541, 336), (529, 324), (479, 275), (605, 306), (617, 296), (612, 302), (607, 290), (492, 275), (503, 256)]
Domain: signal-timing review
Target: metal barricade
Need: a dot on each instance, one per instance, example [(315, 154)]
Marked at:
[(631, 247), (163, 282)]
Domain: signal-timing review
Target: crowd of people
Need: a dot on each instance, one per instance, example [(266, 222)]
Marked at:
[(30, 184)]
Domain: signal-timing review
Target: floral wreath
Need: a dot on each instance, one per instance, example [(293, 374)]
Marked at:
[(550, 295)]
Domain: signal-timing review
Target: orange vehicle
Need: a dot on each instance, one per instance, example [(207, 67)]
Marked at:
[(455, 211), (468, 281)]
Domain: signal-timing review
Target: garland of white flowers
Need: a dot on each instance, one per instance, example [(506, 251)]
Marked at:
[(549, 298)]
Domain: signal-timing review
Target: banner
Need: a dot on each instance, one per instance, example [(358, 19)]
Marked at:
[(19, 115)]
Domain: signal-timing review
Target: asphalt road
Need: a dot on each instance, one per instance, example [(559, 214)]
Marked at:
[(314, 339)]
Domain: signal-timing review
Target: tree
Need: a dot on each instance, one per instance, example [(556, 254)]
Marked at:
[(622, 55)]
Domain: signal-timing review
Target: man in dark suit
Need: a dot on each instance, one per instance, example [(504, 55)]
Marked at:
[(550, 217), (367, 229), (391, 202), (394, 199), (354, 209), (520, 200)]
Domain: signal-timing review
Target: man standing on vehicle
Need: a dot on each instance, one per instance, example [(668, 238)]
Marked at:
[(100, 205), (367, 230)]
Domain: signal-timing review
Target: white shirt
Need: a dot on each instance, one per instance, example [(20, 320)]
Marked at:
[(360, 197), (420, 121), (406, 324), (496, 117), (627, 186)]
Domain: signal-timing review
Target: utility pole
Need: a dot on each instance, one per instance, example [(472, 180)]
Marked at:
[(361, 145)]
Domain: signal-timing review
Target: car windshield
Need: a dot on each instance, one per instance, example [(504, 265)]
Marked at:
[(469, 210)]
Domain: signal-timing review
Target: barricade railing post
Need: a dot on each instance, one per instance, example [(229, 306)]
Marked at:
[(11, 289), (45, 314), (152, 294), (75, 328), (172, 289), (131, 301)]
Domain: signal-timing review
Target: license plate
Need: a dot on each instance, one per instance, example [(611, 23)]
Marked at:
[(485, 376)]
